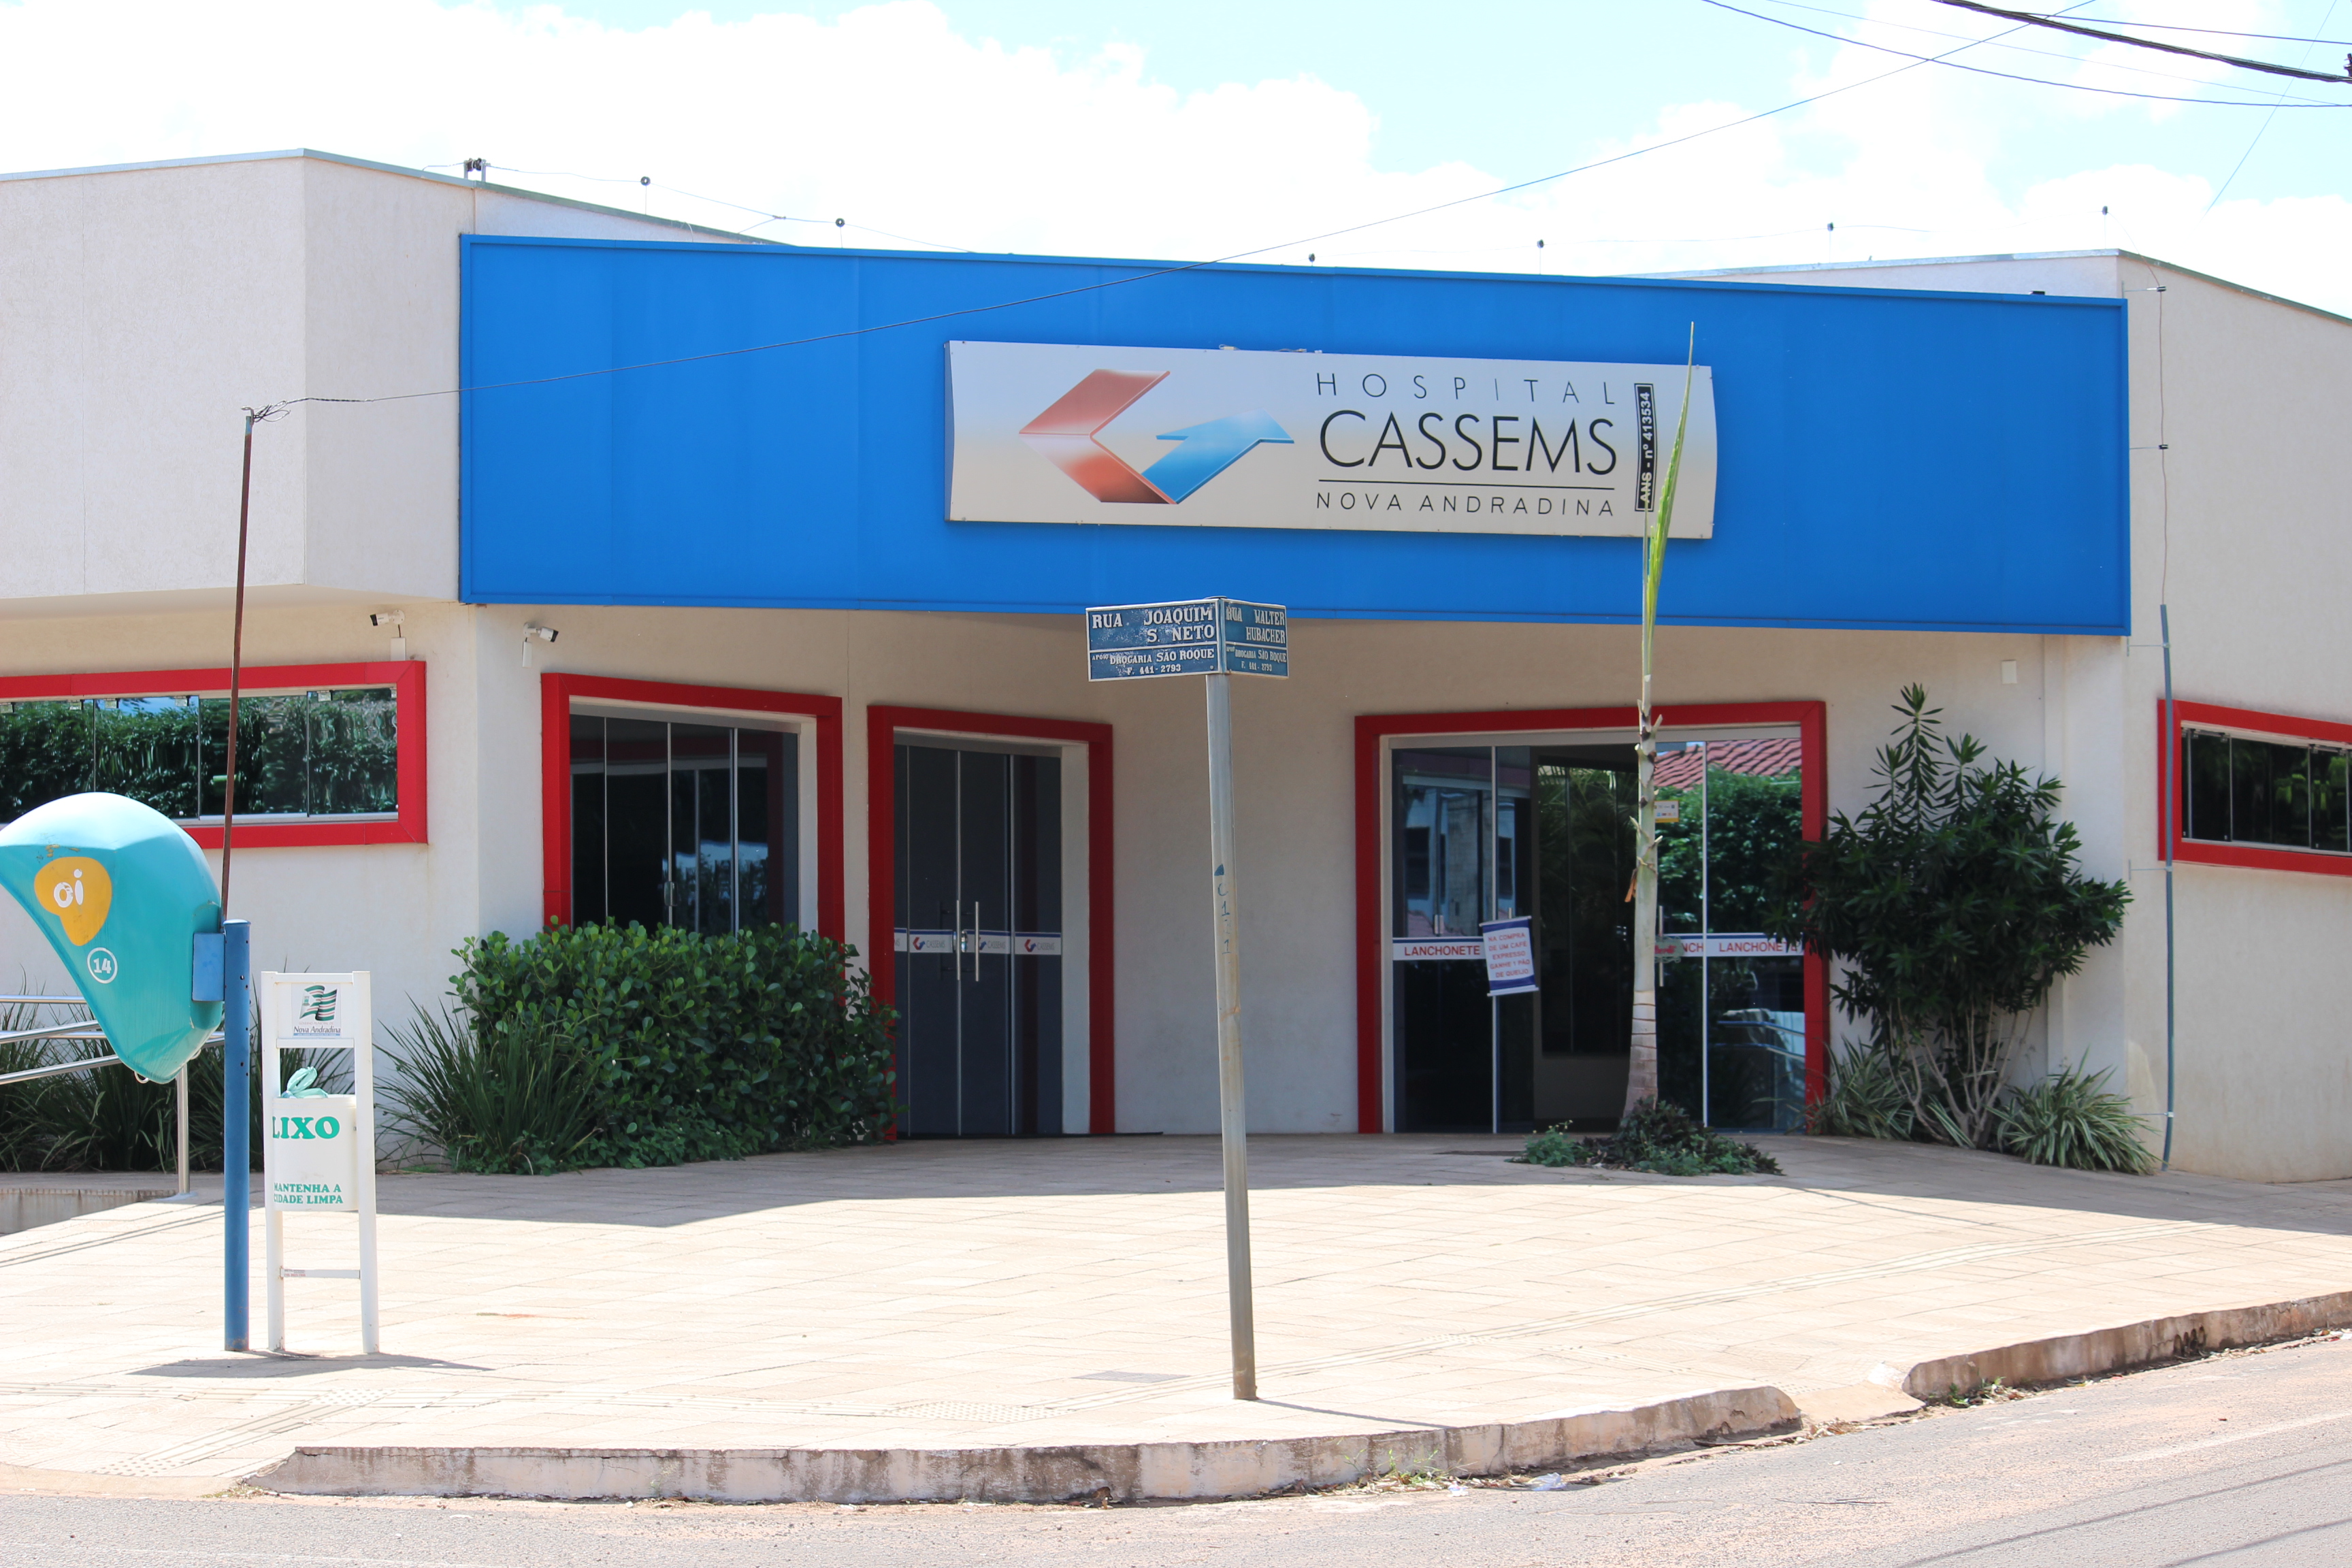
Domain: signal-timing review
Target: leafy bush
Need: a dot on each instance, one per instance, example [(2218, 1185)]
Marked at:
[(2069, 1119), (692, 1048), (1954, 903), (517, 1103), (1659, 1138)]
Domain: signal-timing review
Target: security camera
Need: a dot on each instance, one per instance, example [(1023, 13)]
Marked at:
[(386, 618), (538, 633)]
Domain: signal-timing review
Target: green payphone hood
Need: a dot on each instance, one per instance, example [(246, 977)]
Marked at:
[(120, 893)]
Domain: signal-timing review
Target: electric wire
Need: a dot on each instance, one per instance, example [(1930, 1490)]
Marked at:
[(2014, 76), (2262, 130), (2076, 60), (2079, 30), (1149, 274)]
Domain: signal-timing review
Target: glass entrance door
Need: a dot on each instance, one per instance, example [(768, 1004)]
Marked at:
[(1482, 833), (979, 942)]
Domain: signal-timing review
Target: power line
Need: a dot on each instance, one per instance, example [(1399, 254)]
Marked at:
[(2076, 60), (2013, 75), (2226, 33), (2036, 20), (2262, 130), (1152, 274)]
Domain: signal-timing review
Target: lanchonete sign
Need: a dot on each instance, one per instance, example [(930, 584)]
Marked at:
[(1061, 433)]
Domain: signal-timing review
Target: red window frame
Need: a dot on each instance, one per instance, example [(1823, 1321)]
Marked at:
[(556, 692), (406, 677), (883, 723), (1371, 934), (2173, 788)]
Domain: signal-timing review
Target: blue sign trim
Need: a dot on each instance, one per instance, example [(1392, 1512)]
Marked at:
[(1890, 458)]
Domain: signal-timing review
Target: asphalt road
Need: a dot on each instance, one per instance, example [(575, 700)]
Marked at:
[(2243, 1459)]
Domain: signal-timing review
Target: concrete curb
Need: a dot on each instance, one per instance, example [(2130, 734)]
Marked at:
[(2129, 1345), (1123, 1472), (1127, 1472)]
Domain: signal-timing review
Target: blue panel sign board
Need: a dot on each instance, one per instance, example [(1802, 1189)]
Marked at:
[(1187, 636), (795, 431)]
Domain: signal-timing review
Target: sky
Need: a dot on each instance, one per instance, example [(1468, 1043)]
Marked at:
[(1272, 131)]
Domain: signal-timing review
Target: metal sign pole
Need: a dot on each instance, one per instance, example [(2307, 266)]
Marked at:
[(363, 1086), (1217, 639), (180, 1123), (236, 1145), (1231, 1105)]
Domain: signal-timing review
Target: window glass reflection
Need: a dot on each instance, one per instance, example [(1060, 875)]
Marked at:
[(300, 754), (685, 824)]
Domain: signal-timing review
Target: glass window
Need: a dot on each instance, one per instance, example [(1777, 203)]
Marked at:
[(2331, 793), (691, 824), (2206, 773), (2270, 793), (2238, 789), (299, 755), (1443, 802)]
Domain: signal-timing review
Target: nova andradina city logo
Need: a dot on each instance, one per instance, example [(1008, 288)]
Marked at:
[(314, 1012), (1070, 435)]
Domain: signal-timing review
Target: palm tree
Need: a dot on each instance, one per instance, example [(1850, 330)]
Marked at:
[(1642, 1071)]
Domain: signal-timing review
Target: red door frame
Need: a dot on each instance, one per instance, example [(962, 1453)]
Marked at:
[(883, 723), (2171, 785), (1371, 728), (556, 692), (406, 677)]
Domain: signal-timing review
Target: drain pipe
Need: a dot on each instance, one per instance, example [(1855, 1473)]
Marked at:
[(2166, 808)]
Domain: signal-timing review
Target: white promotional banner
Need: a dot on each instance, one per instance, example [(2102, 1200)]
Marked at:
[(1229, 438)]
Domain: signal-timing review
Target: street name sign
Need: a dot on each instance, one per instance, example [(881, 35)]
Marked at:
[(1187, 636)]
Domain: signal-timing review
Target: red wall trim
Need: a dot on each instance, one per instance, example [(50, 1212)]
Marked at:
[(1813, 723), (2196, 852), (406, 677), (883, 723), (556, 692)]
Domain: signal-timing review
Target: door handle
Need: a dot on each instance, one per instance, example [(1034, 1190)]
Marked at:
[(975, 941)]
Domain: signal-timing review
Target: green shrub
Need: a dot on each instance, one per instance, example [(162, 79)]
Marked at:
[(517, 1104), (1657, 1137), (2070, 1118), (1865, 1096), (1952, 904), (693, 1047)]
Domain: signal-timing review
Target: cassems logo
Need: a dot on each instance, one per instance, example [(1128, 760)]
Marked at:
[(1070, 435)]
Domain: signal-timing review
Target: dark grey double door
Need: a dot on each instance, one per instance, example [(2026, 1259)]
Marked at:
[(979, 942)]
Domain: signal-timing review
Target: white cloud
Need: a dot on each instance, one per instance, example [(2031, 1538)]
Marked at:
[(892, 118)]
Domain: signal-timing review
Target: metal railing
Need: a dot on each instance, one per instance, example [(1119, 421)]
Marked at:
[(83, 1029)]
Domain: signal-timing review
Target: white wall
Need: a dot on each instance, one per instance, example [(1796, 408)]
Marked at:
[(2239, 475), (142, 309)]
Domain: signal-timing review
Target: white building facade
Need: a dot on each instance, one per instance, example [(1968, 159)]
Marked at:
[(786, 684)]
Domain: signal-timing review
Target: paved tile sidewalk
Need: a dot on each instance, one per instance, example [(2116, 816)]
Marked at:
[(1072, 1291)]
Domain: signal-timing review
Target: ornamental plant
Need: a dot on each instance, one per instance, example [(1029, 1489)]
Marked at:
[(1657, 1137), (603, 1045), (1953, 903)]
